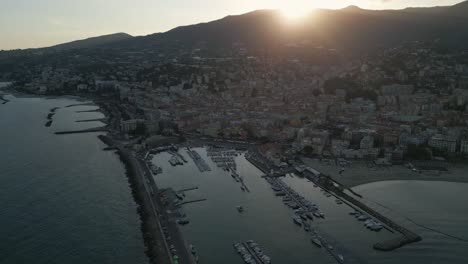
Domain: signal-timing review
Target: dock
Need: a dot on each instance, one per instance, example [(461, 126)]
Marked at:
[(188, 189), (199, 161), (282, 185), (83, 104), (256, 163), (335, 250), (252, 252), (241, 180), (180, 156), (104, 120), (89, 111)]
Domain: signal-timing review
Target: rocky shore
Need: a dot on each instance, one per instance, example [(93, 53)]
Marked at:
[(3, 99), (153, 238)]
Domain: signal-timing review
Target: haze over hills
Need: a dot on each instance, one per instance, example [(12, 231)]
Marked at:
[(348, 28), (351, 28), (92, 42)]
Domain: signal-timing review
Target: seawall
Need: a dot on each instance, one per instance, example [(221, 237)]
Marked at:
[(153, 240)]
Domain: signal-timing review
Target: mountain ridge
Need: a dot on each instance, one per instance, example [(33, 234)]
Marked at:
[(349, 28), (90, 42)]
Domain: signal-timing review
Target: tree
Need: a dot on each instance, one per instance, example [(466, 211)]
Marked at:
[(140, 129), (418, 152), (316, 92), (308, 150)]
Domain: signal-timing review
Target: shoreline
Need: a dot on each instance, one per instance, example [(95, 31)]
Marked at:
[(359, 174), (151, 242), (396, 179), (152, 237)]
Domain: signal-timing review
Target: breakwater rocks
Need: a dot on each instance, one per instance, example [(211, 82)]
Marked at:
[(2, 98), (50, 116), (153, 240)]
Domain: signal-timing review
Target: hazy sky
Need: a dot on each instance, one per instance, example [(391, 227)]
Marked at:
[(39, 23)]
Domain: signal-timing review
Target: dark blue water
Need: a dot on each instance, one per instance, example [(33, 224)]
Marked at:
[(63, 199)]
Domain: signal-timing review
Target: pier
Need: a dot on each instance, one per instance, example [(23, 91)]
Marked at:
[(180, 156), (104, 120), (188, 189), (89, 111), (252, 253), (407, 237), (199, 161), (262, 167), (83, 104), (287, 191), (90, 130), (241, 180), (193, 201)]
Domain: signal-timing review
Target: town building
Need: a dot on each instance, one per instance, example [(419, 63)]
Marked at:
[(443, 143)]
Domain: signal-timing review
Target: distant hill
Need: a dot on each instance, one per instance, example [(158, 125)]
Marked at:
[(91, 42), (460, 9), (350, 28)]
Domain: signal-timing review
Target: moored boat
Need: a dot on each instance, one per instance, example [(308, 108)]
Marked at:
[(316, 242)]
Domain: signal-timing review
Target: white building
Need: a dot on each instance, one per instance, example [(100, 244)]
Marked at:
[(464, 146), (444, 143), (130, 125), (367, 142), (82, 87)]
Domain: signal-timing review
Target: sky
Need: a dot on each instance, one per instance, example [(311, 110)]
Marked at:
[(42, 23)]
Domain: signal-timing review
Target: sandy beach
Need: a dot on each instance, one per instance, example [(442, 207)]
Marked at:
[(359, 173)]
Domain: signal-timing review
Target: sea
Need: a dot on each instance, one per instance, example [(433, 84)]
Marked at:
[(63, 199)]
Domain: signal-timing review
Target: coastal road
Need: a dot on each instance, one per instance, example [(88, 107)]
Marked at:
[(157, 248), (176, 237)]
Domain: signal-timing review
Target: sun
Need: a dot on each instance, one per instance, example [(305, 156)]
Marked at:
[(294, 12)]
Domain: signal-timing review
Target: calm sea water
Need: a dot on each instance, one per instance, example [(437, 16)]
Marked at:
[(63, 199), (216, 224), (437, 205)]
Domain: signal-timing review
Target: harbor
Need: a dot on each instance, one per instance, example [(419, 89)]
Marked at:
[(216, 223), (275, 205)]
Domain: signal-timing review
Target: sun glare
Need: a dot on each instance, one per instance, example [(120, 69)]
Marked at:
[(294, 12)]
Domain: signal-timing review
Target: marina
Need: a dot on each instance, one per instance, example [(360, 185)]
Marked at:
[(316, 215), (251, 252), (198, 160), (258, 214)]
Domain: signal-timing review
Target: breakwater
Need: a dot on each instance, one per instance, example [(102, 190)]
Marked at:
[(407, 237), (91, 130), (50, 116), (152, 236), (329, 184), (2, 98)]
